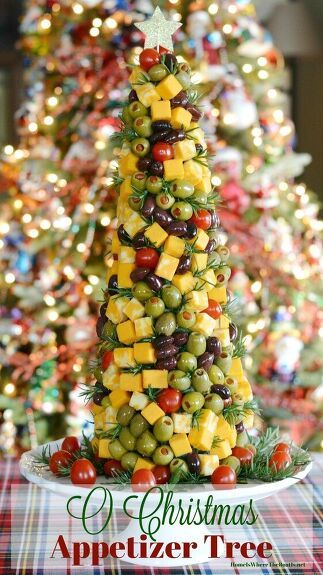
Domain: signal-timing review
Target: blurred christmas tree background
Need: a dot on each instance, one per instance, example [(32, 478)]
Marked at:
[(57, 207)]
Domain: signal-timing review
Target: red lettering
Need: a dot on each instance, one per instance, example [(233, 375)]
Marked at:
[(187, 548), (170, 548), (115, 547), (248, 546), (262, 547), (62, 547), (80, 551), (100, 550)]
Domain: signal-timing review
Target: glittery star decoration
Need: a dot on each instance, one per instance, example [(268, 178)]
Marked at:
[(158, 30)]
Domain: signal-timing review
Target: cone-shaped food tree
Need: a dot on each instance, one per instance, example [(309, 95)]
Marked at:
[(172, 389)]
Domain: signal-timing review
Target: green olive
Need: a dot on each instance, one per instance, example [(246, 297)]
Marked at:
[(224, 362), (154, 306), (178, 379), (178, 464), (165, 324), (182, 189), (126, 439), (182, 211), (146, 443), (142, 291), (163, 455), (237, 399), (106, 402), (137, 109), (201, 381), (186, 319), (192, 401), (98, 374), (215, 259), (125, 414), (196, 344), (165, 200), (158, 72), (126, 117), (242, 438), (142, 125), (164, 428), (214, 402), (201, 198), (216, 375), (232, 384), (172, 297), (135, 203), (154, 184), (184, 79), (116, 449), (186, 361), (138, 425), (140, 147), (138, 180), (232, 462), (224, 253), (129, 460), (222, 275)]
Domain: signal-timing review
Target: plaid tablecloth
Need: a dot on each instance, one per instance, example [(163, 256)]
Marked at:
[(34, 520)]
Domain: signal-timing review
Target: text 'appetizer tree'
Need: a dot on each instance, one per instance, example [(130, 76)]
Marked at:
[(172, 391)]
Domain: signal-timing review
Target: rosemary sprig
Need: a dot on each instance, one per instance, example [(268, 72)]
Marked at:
[(195, 418), (152, 393), (88, 391), (260, 470), (172, 67), (232, 412), (117, 180), (232, 309), (142, 79), (43, 458), (112, 433), (216, 441), (123, 478), (125, 134), (240, 347)]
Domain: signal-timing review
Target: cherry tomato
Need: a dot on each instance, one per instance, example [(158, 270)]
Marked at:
[(112, 468), (162, 152), (70, 444), (142, 480), (279, 460), (59, 459), (147, 258), (106, 359), (83, 472), (202, 219), (149, 58), (244, 455), (282, 447), (163, 50), (214, 309), (170, 400), (224, 477), (162, 474)]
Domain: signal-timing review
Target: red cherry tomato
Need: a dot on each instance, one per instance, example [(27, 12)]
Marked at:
[(112, 468), (162, 152), (282, 447), (202, 219), (163, 50), (162, 474), (279, 460), (147, 258), (214, 309), (142, 480), (244, 455), (70, 444), (83, 472), (224, 477), (170, 400), (59, 459), (149, 58), (107, 358)]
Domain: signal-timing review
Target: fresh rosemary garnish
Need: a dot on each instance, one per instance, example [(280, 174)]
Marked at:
[(125, 134), (172, 67), (112, 433), (123, 478), (43, 458), (89, 390), (195, 418), (233, 412), (260, 469), (240, 347), (152, 393), (216, 441)]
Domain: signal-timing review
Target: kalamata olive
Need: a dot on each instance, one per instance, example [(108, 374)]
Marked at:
[(163, 340), (233, 331), (210, 246), (178, 228), (174, 136), (198, 147), (240, 427), (103, 308), (168, 363), (159, 136), (180, 338), (194, 463), (196, 113), (213, 345), (154, 282), (97, 398), (162, 217), (132, 96), (169, 60), (184, 264), (205, 360), (148, 207), (138, 274), (221, 390), (144, 164), (113, 285), (156, 169), (166, 351), (180, 99), (99, 326), (191, 230), (123, 236), (161, 125), (139, 240), (215, 220)]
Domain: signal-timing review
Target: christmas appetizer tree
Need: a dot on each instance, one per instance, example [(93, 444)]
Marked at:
[(171, 402)]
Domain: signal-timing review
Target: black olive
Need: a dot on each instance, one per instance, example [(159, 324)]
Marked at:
[(161, 125), (144, 164), (240, 427), (103, 308), (177, 228), (205, 360), (132, 96), (159, 136), (139, 241), (156, 169), (174, 136), (233, 331), (100, 325), (168, 363), (162, 340), (191, 230), (196, 113), (213, 345), (139, 274), (170, 60), (162, 217), (194, 463), (148, 207), (113, 284), (184, 265), (123, 236), (210, 246), (180, 338), (221, 390), (168, 350), (215, 220), (154, 282), (180, 99)]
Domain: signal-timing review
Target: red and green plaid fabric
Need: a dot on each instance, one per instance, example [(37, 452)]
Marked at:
[(34, 520)]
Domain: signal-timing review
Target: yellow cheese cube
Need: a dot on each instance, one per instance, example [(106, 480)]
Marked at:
[(134, 224), (110, 415), (161, 111), (143, 327), (124, 357), (226, 431), (152, 413), (142, 463), (208, 419), (204, 186), (193, 172), (197, 133), (196, 301), (201, 438), (134, 309), (156, 378), (184, 150), (125, 190), (131, 381), (95, 444), (199, 262), (156, 235), (204, 324), (180, 444), (110, 378), (173, 170), (219, 294), (126, 332), (96, 409), (137, 75), (208, 463), (115, 308), (236, 369), (182, 422), (221, 449), (201, 240), (169, 87), (144, 353), (248, 420), (124, 271), (223, 321), (244, 389), (119, 397), (174, 246), (115, 243), (184, 282), (104, 448), (166, 267), (139, 400), (147, 94), (128, 164), (99, 421), (207, 280), (223, 335), (127, 255), (112, 270), (181, 118)]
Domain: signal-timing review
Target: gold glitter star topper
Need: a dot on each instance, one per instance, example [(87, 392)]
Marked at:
[(158, 30)]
